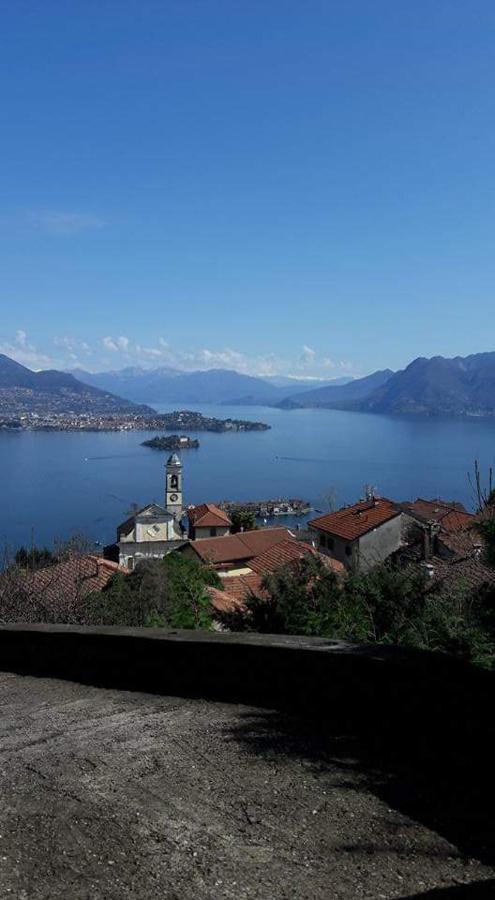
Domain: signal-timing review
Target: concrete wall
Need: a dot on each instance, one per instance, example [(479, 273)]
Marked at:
[(368, 551), (338, 548), (379, 544), (316, 676)]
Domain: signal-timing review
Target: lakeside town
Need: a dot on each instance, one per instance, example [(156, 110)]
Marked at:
[(181, 420)]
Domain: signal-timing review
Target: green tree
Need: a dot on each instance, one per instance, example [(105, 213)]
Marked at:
[(187, 583), (383, 605), (303, 599), (394, 600), (172, 592), (243, 520)]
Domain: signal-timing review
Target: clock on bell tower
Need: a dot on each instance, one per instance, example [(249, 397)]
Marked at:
[(173, 486)]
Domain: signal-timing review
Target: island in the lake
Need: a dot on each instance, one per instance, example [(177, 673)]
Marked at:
[(172, 442), (187, 420)]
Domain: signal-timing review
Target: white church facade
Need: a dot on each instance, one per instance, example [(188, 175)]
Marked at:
[(155, 530)]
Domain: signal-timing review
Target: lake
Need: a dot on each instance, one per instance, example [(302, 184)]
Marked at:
[(57, 484)]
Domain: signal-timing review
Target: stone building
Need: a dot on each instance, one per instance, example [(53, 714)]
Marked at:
[(362, 535)]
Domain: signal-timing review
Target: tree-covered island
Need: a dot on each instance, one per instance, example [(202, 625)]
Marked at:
[(172, 442), (188, 420)]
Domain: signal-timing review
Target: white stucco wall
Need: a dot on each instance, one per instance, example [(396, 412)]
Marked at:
[(379, 544), (220, 531), (130, 554)]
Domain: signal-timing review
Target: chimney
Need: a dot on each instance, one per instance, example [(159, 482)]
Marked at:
[(430, 532)]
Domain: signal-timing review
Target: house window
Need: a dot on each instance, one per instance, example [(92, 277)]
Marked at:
[(330, 543), (130, 563), (213, 532), (348, 550)]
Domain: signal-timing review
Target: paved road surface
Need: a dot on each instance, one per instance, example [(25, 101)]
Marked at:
[(109, 794)]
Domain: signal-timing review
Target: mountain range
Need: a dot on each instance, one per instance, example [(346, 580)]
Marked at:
[(439, 386), (346, 396), (436, 386), (462, 386), (22, 390), (165, 385)]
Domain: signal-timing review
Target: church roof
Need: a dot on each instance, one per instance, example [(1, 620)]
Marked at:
[(125, 528), (173, 460)]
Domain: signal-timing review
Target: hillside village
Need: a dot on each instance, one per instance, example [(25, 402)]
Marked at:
[(437, 540)]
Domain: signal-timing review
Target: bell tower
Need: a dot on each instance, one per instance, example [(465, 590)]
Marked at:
[(173, 486)]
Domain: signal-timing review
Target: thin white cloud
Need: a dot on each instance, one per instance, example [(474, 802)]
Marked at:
[(110, 344), (308, 355), (26, 353), (117, 351), (308, 364), (21, 339), (72, 350)]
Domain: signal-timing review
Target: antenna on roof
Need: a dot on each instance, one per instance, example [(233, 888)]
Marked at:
[(370, 492)]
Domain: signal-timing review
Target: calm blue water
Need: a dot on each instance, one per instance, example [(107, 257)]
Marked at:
[(54, 485)]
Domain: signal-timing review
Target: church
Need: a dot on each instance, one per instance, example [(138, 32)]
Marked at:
[(154, 530)]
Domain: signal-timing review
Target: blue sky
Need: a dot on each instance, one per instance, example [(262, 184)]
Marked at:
[(299, 187)]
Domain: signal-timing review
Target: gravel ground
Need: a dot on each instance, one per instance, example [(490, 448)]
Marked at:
[(112, 794)]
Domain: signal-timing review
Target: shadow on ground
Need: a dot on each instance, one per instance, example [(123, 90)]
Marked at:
[(418, 728), (436, 769)]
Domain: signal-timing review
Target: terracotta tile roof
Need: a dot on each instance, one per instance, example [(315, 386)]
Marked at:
[(468, 573), (237, 589), (207, 515), (281, 554), (451, 517), (263, 538), (353, 522), (461, 543), (240, 585), (238, 547), (65, 583), (287, 553)]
